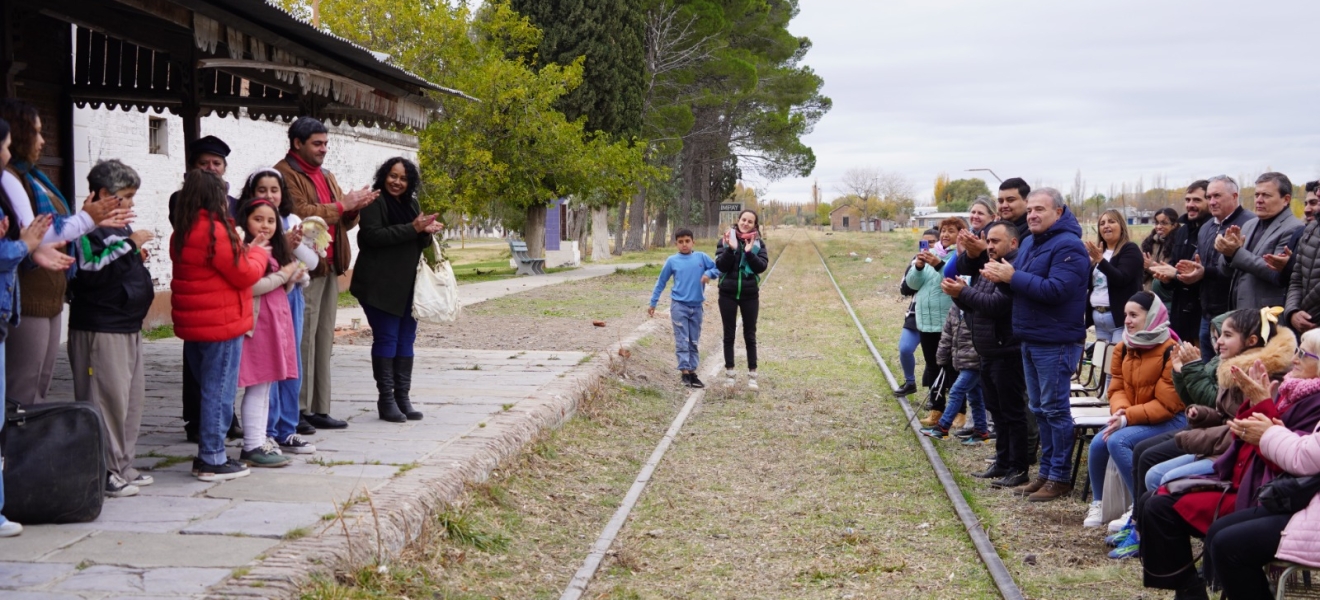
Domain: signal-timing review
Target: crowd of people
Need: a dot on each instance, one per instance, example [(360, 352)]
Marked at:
[(254, 294), (1213, 385)]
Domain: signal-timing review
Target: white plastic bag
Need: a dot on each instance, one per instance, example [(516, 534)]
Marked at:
[(435, 294)]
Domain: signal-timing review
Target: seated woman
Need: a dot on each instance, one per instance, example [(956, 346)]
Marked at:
[(1166, 522), (1142, 401), (1212, 398), (1240, 545)]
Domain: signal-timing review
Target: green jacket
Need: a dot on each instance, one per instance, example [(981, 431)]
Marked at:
[(386, 267), (1198, 382), (932, 303)]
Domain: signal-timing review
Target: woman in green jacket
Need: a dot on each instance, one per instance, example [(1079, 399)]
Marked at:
[(932, 308), (392, 233)]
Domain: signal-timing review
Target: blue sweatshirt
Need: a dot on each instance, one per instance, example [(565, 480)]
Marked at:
[(686, 269)]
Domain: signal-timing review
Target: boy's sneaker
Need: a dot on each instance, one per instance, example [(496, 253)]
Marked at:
[(751, 381), (687, 380), (266, 455), (295, 444), (693, 382), (935, 431), (730, 377), (10, 529), (232, 469), (963, 432), (1095, 515), (1114, 540), (143, 480), (976, 439), (1129, 547), (116, 487)]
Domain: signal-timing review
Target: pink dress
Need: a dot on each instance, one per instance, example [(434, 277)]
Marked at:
[(270, 352)]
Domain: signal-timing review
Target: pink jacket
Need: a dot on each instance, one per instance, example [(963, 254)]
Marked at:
[(1300, 456)]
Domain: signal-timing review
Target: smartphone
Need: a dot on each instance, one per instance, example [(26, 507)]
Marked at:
[(923, 245)]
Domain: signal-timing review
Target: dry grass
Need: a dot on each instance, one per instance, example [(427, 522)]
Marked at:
[(1070, 561)]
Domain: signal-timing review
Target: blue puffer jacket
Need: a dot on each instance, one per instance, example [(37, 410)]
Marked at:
[(932, 303), (1049, 285), (12, 253)]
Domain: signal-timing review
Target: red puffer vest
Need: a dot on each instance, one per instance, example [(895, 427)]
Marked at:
[(212, 299)]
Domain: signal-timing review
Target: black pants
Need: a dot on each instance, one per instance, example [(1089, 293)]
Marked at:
[(1148, 453), (749, 304), (930, 345), (1238, 546), (1004, 388), (192, 399), (1166, 544)]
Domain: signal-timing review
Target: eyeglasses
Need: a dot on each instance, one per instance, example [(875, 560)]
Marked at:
[(1302, 354)]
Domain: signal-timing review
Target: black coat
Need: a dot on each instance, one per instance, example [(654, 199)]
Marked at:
[(112, 291), (729, 261), (989, 313), (1185, 307), (1124, 272), (1216, 286), (386, 267)]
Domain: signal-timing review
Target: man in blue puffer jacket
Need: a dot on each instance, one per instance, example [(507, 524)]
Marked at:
[(1048, 284)]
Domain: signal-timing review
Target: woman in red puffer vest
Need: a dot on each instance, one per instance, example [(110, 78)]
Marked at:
[(212, 309)]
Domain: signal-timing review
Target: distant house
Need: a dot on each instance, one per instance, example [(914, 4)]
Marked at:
[(849, 218), (930, 220)]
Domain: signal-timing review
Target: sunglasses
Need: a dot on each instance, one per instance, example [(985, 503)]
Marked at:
[(1302, 354)]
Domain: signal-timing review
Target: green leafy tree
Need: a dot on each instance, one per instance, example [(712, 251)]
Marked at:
[(957, 195)]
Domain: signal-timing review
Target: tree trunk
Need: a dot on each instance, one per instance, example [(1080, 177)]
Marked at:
[(623, 225), (636, 223), (534, 231), (660, 233), (600, 234)]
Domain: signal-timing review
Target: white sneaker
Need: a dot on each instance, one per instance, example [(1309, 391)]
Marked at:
[(751, 381), (10, 529), (1121, 522), (1095, 516), (730, 377), (116, 487), (143, 480)]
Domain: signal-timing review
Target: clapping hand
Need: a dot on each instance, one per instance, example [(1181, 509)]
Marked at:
[(1278, 261), (261, 240), (427, 224), (1190, 271), (1186, 353), (972, 244), (1250, 429), (953, 286), (1229, 242), (293, 237), (51, 257), (998, 272), (1255, 383), (1097, 253), (35, 231), (359, 199)]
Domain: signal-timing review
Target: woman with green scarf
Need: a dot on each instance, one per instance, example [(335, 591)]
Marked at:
[(740, 257)]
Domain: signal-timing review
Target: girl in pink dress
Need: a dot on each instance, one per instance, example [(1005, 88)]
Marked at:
[(270, 353)]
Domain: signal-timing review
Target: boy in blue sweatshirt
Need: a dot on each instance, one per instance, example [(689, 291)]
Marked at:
[(690, 270)]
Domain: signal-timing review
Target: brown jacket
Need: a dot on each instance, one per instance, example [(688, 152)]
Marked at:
[(1207, 435), (43, 290), (306, 204), (1142, 385)]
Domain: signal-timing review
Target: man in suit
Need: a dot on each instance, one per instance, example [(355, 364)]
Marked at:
[(1253, 284), (1221, 198)]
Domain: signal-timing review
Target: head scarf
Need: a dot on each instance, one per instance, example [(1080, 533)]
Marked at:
[(1155, 332)]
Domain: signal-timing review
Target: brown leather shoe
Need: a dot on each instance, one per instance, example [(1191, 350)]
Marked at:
[(932, 418), (1031, 488), (1053, 490), (959, 422)]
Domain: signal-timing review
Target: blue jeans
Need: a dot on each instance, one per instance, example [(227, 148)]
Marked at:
[(215, 365), (1186, 465), (391, 335), (1106, 330), (1207, 346), (1119, 447), (908, 340), (966, 388), (4, 330), (687, 333), (283, 419), (1048, 369)]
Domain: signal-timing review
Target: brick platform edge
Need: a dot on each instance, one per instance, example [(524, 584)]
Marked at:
[(406, 503)]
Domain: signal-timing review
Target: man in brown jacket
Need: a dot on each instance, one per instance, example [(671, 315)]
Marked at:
[(315, 193)]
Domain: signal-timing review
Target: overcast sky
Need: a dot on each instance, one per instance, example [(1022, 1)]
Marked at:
[(1119, 89)]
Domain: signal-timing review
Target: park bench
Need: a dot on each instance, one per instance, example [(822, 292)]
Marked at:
[(526, 264)]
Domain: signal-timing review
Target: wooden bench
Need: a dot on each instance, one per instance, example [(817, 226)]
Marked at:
[(526, 264)]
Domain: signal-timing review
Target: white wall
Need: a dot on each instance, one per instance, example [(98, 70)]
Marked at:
[(100, 134)]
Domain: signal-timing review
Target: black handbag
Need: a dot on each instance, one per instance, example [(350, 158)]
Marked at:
[(1285, 494), (54, 462)]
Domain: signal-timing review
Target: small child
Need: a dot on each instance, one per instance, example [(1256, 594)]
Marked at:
[(270, 354), (690, 270)]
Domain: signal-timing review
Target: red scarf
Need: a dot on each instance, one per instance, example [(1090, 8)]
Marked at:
[(323, 194), (746, 237)]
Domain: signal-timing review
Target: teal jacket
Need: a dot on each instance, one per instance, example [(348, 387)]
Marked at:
[(932, 303)]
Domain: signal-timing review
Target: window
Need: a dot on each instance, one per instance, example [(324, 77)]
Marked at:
[(157, 136), (845, 222)]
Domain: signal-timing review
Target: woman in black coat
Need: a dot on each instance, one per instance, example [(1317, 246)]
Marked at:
[(740, 257), (1117, 268), (392, 233)]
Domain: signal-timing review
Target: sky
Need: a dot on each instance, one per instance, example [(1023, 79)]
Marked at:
[(1038, 89)]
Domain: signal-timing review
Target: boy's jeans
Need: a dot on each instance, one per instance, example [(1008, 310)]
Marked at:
[(1049, 369), (687, 333), (215, 365), (282, 421), (966, 389)]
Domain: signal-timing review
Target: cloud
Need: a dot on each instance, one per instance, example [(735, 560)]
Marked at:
[(1040, 89)]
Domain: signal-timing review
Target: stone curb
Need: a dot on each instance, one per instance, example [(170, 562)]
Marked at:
[(405, 504)]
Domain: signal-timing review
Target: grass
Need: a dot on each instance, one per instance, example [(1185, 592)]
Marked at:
[(347, 300), (621, 293), (162, 332)]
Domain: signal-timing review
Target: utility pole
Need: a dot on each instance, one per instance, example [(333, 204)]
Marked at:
[(316, 14)]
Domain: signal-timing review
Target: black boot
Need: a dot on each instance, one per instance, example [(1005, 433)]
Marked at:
[(402, 384), (382, 369)]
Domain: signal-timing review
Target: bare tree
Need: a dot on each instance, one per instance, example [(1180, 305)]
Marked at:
[(876, 192), (1078, 195)]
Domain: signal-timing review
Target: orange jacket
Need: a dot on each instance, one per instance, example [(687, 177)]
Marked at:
[(1142, 384), (212, 298)]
